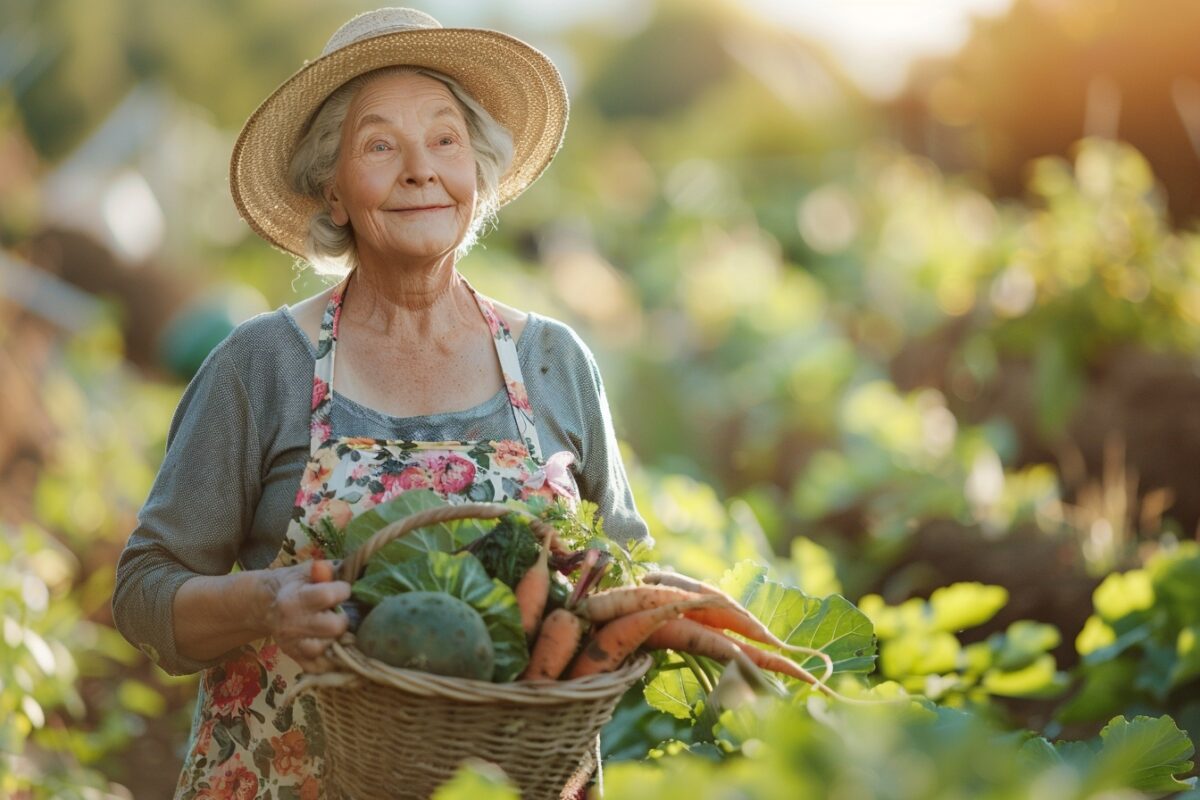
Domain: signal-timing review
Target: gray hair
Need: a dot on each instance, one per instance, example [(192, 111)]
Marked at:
[(331, 247)]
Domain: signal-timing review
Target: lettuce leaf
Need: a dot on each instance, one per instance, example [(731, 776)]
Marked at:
[(444, 536)]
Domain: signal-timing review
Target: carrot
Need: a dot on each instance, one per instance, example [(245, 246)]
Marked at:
[(532, 591), (322, 571), (621, 600), (613, 643), (689, 636), (732, 617), (555, 646), (686, 636)]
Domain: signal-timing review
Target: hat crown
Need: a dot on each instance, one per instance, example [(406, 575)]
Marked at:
[(377, 23)]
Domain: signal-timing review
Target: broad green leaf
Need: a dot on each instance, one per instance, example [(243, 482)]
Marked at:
[(675, 691), (1104, 692), (460, 576), (1096, 633), (832, 625), (1187, 651), (1177, 584), (965, 605), (1038, 679), (1037, 754), (1122, 594), (443, 537), (1023, 643), (915, 654), (1145, 753)]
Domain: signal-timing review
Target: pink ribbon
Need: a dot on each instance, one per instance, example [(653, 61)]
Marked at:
[(555, 474)]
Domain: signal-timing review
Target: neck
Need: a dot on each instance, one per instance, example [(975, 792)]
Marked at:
[(407, 289), (425, 300)]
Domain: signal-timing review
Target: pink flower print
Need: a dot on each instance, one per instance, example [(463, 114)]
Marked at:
[(391, 487), (452, 474), (233, 695), (204, 737), (320, 391), (321, 430), (554, 479), (516, 394), (269, 656), (492, 320), (510, 453), (359, 472), (414, 476), (318, 471), (234, 782), (338, 511)]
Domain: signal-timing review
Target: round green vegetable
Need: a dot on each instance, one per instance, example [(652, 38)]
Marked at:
[(430, 631)]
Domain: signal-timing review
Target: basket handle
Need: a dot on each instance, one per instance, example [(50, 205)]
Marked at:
[(353, 565)]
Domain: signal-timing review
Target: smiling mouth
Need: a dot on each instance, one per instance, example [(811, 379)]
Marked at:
[(417, 208)]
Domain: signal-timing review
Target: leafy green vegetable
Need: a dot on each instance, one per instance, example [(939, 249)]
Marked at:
[(832, 625), (461, 576), (508, 550), (442, 537)]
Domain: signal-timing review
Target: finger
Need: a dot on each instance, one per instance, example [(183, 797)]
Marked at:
[(312, 647), (325, 595), (328, 625)]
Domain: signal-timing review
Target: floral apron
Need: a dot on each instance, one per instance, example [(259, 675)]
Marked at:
[(245, 745)]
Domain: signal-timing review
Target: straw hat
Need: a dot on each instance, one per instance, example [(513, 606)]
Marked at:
[(517, 84)]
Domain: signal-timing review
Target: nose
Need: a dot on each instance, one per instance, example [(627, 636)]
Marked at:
[(417, 169)]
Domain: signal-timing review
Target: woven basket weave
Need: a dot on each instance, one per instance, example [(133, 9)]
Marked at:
[(398, 733)]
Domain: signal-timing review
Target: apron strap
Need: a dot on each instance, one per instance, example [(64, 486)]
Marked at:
[(321, 425)]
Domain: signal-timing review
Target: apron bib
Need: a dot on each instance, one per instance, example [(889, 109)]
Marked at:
[(244, 745)]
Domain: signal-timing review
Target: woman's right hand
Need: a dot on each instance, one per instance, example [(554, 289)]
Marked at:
[(301, 615)]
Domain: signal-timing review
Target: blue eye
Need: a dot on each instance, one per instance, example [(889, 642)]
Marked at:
[(379, 147)]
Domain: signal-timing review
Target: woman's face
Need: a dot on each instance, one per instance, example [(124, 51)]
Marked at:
[(405, 174)]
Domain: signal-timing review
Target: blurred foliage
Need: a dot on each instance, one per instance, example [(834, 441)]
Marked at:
[(1141, 646), (817, 345)]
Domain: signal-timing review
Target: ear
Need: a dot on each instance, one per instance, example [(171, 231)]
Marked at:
[(337, 211)]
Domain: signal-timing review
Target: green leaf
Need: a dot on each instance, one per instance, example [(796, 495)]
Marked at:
[(914, 654), (1037, 754), (1105, 690), (675, 691), (477, 780), (443, 537), (1038, 679), (1023, 643), (832, 625), (460, 576), (965, 605), (1187, 652), (1144, 754), (1176, 579), (1122, 594)]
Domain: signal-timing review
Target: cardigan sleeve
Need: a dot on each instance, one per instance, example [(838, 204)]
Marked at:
[(197, 514)]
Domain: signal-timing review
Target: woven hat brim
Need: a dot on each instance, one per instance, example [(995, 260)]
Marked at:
[(516, 83)]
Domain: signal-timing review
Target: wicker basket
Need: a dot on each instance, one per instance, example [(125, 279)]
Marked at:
[(398, 733)]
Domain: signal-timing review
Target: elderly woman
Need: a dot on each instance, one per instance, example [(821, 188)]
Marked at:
[(385, 155)]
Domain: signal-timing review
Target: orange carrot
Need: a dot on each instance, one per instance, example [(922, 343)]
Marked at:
[(613, 643), (555, 647), (688, 636), (621, 600), (733, 616), (322, 571), (531, 592)]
